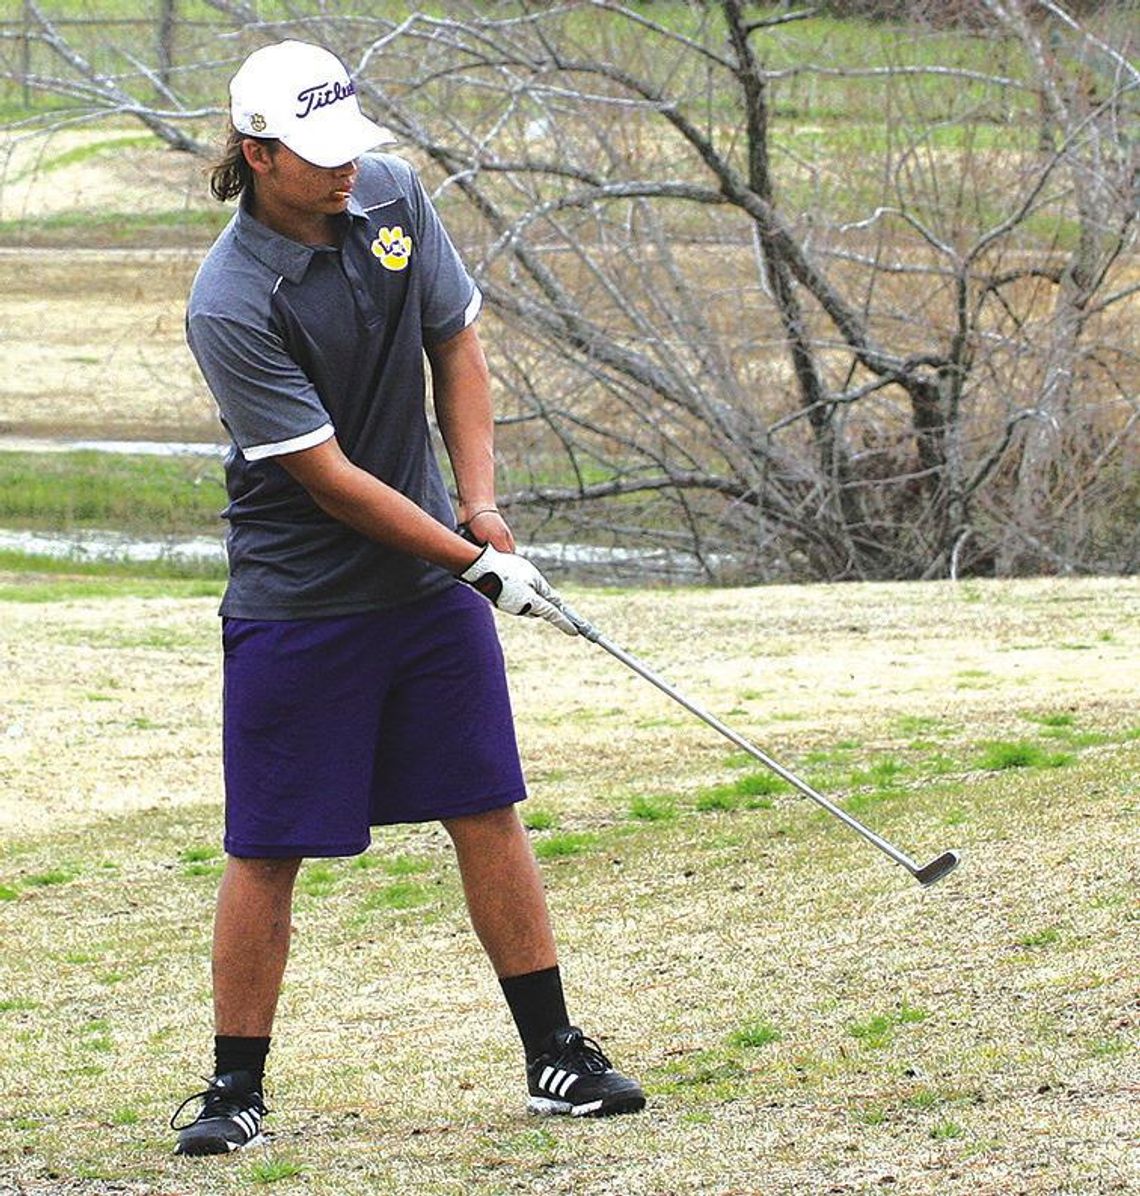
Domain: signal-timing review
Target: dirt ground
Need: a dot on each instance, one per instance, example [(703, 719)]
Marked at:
[(94, 346), (77, 170), (93, 337)]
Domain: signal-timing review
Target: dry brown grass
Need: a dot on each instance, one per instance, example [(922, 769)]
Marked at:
[(95, 345), (978, 1037)]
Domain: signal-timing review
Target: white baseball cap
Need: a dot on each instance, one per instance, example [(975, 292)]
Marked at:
[(302, 95)]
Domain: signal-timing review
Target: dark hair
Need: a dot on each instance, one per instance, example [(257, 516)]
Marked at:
[(231, 175)]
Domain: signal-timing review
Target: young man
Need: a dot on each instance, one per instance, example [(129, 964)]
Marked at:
[(363, 683)]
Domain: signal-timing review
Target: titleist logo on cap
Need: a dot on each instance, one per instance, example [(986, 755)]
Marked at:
[(321, 95)]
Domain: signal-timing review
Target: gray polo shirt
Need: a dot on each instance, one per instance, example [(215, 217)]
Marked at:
[(299, 343)]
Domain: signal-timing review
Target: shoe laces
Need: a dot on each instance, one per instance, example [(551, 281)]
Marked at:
[(219, 1099), (578, 1053)]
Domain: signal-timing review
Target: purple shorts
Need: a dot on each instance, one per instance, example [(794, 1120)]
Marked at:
[(331, 726)]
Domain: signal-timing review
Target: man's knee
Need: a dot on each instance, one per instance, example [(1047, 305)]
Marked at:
[(266, 872), (498, 822)]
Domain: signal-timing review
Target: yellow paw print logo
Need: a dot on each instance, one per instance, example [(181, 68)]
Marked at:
[(393, 248)]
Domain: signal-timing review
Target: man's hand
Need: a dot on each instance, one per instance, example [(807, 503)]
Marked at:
[(486, 525), (513, 584)]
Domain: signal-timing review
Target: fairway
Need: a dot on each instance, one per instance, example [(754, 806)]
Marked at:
[(803, 1015)]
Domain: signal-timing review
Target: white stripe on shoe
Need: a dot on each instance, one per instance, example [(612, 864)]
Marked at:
[(249, 1121), (557, 1081)]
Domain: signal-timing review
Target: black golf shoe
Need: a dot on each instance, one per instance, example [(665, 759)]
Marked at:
[(572, 1076), (230, 1117)]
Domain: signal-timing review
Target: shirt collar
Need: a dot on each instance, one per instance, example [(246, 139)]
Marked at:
[(282, 255)]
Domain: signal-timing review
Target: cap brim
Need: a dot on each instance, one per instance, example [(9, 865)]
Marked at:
[(350, 136)]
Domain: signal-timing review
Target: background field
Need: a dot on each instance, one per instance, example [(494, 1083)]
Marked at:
[(804, 1016)]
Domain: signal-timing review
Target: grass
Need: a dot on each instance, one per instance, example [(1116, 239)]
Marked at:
[(564, 843), (141, 495), (652, 809), (803, 1016), (79, 154), (400, 895), (878, 1030), (110, 229), (800, 97), (153, 497), (1021, 754), (270, 1171), (26, 578), (753, 792), (755, 1034)]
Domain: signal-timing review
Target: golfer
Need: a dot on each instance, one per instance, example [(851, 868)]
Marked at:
[(363, 680)]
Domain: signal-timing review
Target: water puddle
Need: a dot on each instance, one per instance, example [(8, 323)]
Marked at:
[(113, 546), (580, 561), (145, 448)]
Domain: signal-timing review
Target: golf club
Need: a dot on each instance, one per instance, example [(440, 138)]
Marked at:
[(925, 874)]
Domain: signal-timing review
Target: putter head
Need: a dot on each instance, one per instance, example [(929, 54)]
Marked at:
[(928, 874)]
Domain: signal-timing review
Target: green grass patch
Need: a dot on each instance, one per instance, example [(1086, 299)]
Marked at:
[(752, 792), (946, 1131), (859, 803), (999, 756), (755, 1034), (143, 495), (870, 1115), (77, 155), (643, 808), (113, 229), (877, 1031), (199, 854), (538, 819), (33, 579), (1059, 719), (17, 1004), (211, 870), (271, 1171), (884, 772), (400, 895), (50, 878), (407, 865), (1109, 1048), (1040, 938), (564, 843), (317, 879), (713, 1074)]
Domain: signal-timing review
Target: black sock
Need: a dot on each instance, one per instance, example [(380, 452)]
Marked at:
[(232, 1053), (537, 1005)]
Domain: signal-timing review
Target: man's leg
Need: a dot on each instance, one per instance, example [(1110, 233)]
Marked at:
[(252, 925), (504, 892), (566, 1072)]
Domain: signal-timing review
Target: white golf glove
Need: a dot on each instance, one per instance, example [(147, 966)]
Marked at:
[(513, 584)]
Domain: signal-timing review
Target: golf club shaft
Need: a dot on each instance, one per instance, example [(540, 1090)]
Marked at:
[(588, 631)]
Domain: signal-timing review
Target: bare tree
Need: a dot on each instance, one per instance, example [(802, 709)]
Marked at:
[(896, 347), (1082, 82)]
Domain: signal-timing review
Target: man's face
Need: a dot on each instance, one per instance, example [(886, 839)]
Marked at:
[(287, 181)]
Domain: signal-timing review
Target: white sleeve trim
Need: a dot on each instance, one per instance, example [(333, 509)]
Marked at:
[(259, 452), (473, 308)]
